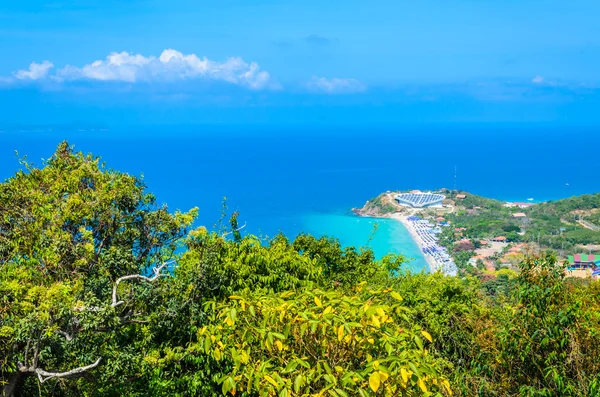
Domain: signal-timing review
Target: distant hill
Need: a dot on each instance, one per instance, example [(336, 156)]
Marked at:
[(576, 205)]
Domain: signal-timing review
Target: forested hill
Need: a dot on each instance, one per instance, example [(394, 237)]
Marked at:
[(566, 226), (471, 200), (584, 205)]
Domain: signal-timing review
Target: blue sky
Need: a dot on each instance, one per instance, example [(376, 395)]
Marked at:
[(180, 61)]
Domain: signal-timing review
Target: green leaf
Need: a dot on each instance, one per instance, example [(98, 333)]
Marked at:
[(298, 383)]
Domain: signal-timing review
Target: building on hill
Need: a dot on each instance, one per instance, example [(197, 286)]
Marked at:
[(461, 196), (521, 205), (518, 248), (584, 261), (420, 199), (519, 215), (499, 239)]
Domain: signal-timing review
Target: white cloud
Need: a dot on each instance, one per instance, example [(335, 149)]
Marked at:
[(171, 65), (335, 85), (537, 80), (36, 71)]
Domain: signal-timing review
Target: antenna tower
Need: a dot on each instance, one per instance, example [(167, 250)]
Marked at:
[(455, 177)]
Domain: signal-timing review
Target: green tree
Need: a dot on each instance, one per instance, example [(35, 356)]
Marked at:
[(542, 331), (79, 247)]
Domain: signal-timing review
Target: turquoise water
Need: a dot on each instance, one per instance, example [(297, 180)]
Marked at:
[(390, 236)]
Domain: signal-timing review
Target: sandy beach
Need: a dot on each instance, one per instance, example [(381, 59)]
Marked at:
[(433, 265)]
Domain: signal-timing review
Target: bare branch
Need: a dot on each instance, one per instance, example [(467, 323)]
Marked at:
[(36, 353), (67, 336), (45, 375), (236, 230), (157, 273), (27, 349)]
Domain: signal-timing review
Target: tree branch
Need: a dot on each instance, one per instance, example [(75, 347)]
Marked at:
[(67, 336), (156, 271), (45, 375), (27, 349), (233, 231)]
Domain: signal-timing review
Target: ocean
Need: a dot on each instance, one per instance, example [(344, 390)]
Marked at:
[(307, 179)]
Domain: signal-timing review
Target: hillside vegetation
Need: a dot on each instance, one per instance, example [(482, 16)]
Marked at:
[(382, 205), (106, 293), (552, 225)]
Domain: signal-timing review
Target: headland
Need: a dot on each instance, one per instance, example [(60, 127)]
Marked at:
[(460, 232)]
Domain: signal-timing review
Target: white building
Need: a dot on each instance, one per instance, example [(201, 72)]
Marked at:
[(420, 199)]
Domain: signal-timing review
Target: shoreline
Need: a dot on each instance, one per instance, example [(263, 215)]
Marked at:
[(402, 219), (433, 265), (432, 262)]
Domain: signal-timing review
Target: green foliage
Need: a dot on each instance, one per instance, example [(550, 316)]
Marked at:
[(564, 207), (552, 225), (67, 232), (379, 205), (543, 340), (445, 306), (539, 336), (473, 200), (317, 342)]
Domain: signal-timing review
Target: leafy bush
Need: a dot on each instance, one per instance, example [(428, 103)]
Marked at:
[(317, 342)]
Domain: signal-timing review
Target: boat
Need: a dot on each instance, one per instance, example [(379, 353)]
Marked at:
[(530, 199)]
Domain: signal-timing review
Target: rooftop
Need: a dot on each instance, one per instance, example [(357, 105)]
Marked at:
[(586, 258), (420, 199)]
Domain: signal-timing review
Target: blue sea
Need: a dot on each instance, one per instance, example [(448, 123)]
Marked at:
[(307, 178)]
